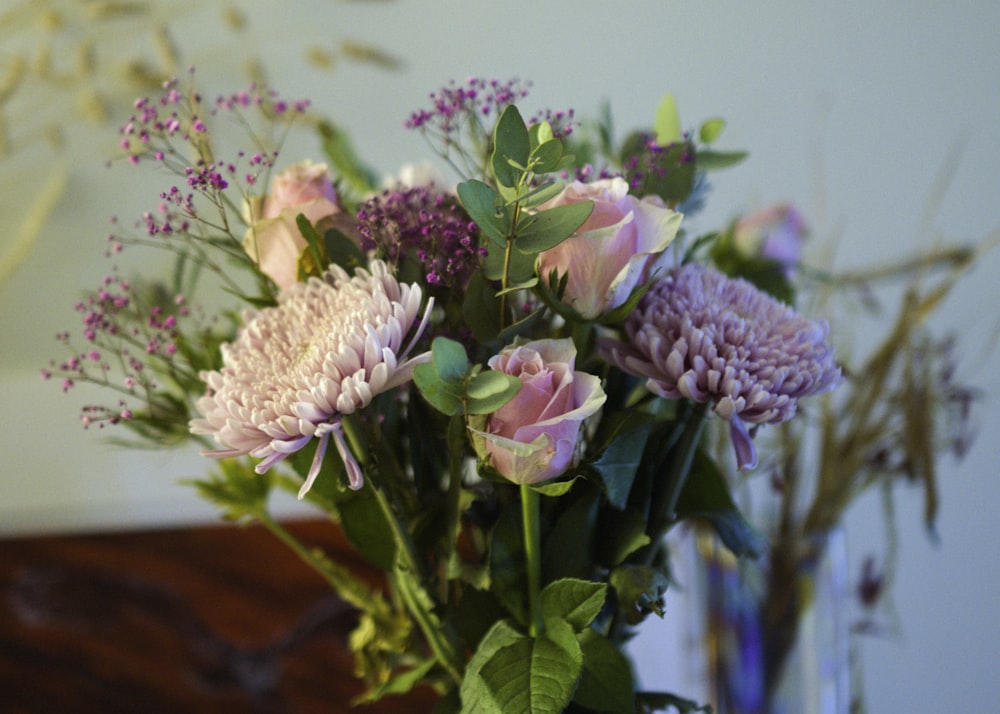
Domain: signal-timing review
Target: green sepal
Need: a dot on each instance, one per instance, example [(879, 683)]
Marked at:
[(553, 489)]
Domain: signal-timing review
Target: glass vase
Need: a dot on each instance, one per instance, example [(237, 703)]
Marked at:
[(773, 632)]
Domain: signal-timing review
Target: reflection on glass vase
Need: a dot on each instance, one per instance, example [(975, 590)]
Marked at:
[(774, 631)]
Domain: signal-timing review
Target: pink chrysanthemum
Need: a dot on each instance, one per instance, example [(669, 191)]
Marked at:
[(703, 336), (326, 350)]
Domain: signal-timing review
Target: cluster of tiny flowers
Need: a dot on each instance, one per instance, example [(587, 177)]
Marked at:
[(129, 337), (427, 225), (561, 121), (653, 162), (455, 103), (175, 126)]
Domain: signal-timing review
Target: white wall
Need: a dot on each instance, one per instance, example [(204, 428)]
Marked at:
[(850, 110)]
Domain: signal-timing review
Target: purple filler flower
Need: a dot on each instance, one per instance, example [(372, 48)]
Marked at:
[(326, 350), (704, 336)]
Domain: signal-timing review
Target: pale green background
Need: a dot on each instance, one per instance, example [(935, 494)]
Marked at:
[(850, 110)]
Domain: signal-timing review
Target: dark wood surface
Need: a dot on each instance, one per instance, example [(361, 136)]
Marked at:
[(207, 619)]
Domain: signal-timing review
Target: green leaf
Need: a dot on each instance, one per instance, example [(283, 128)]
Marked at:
[(511, 148), (338, 150), (606, 684), (476, 696), (485, 207), (706, 496), (710, 160), (639, 590), (576, 602), (399, 684), (481, 308), (343, 251), (313, 260), (667, 124), (365, 525), (711, 129), (449, 360), (618, 464), (551, 227), (536, 676), (239, 490), (625, 535), (490, 390)]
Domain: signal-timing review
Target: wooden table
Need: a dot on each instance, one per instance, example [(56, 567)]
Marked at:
[(206, 619)]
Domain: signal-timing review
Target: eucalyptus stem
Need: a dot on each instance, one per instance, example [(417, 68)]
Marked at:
[(532, 555)]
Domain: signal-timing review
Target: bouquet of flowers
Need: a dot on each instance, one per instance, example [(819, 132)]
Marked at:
[(518, 372)]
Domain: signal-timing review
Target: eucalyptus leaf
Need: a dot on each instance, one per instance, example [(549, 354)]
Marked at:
[(490, 390), (485, 208), (539, 133), (552, 226), (511, 148), (438, 393), (449, 360), (546, 156)]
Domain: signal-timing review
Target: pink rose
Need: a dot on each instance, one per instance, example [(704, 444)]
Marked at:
[(614, 251), (274, 240), (773, 233), (536, 436)]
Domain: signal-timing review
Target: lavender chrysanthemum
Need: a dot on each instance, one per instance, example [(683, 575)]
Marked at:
[(701, 335), (326, 350)]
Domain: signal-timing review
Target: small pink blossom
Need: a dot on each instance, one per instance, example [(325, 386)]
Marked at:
[(536, 436), (614, 251)]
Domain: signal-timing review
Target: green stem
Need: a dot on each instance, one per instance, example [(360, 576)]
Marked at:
[(409, 575), (347, 587), (456, 443), (532, 555)]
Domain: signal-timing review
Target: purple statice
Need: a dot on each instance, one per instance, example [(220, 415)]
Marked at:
[(700, 335), (427, 225)]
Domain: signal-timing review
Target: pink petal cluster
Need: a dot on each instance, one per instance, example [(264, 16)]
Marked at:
[(614, 251), (700, 335), (774, 233), (327, 349), (536, 436), (273, 240)]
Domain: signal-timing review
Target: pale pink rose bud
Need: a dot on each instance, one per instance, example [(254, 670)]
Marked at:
[(299, 184), (614, 251), (773, 233), (273, 239), (536, 436)]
